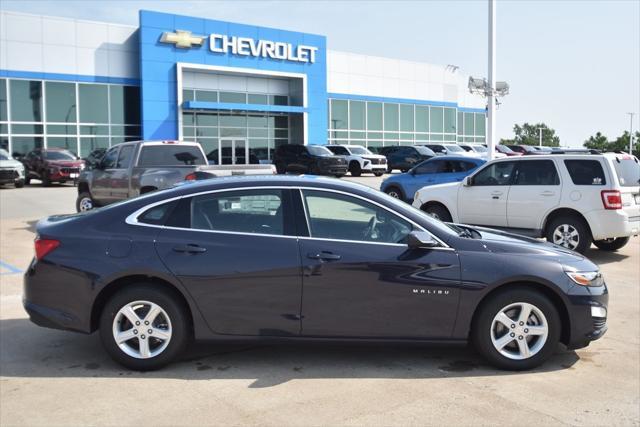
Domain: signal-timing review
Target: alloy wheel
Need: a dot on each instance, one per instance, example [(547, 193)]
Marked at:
[(519, 331), (394, 194), (142, 329), (566, 235), (86, 204)]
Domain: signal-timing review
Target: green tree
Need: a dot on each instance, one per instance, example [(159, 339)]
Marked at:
[(621, 143), (529, 134), (597, 142)]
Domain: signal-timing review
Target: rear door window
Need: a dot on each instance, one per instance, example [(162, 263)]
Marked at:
[(171, 155), (628, 171), (585, 172), (125, 156), (536, 172), (245, 211)]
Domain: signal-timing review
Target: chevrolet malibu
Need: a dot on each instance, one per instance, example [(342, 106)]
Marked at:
[(286, 258)]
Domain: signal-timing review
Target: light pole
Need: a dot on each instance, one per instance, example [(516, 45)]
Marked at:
[(540, 133), (631, 132), (491, 105)]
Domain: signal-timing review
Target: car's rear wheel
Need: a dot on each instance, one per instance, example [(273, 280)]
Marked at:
[(570, 232), (611, 244), (355, 169), (378, 173), (517, 329), (280, 168), (84, 202), (438, 212), (27, 180), (144, 328), (394, 192)]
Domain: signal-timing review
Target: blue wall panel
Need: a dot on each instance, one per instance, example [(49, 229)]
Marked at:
[(158, 68)]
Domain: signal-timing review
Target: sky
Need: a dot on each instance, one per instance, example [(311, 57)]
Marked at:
[(574, 65)]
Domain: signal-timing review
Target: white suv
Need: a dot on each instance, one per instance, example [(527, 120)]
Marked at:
[(572, 200), (360, 159)]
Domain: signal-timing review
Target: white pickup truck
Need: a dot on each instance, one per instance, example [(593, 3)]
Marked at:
[(133, 168)]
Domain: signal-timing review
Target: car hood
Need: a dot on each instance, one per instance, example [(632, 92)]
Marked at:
[(373, 156), (508, 243), (10, 164)]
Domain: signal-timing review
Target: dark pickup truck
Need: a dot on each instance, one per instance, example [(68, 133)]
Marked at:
[(133, 168)]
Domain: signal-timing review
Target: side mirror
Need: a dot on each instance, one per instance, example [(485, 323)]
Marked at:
[(467, 181), (421, 240)]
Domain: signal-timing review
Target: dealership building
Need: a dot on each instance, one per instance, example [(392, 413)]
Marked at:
[(84, 85)]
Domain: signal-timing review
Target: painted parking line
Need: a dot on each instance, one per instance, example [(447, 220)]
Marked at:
[(6, 269)]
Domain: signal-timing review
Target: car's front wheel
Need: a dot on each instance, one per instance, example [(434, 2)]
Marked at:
[(355, 169), (438, 212), (517, 329), (611, 244), (394, 192), (19, 183), (144, 328)]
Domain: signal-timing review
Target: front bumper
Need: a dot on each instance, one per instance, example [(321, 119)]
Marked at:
[(10, 176), (588, 308)]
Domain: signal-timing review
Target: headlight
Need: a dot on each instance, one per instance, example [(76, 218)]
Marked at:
[(82, 166), (586, 278)]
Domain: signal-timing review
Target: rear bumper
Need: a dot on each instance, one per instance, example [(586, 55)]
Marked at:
[(606, 224), (588, 315), (58, 298)]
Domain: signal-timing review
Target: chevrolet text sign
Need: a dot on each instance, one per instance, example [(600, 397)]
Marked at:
[(244, 46), (263, 48)]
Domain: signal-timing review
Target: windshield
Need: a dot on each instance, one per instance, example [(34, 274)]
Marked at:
[(4, 155), (425, 151), (59, 155), (319, 151), (480, 148), (504, 148), (628, 171), (454, 148), (356, 149)]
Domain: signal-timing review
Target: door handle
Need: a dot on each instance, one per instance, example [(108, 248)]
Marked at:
[(190, 248), (548, 193), (496, 194), (324, 256)]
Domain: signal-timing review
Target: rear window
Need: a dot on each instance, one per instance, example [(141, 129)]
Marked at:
[(628, 171), (171, 155), (585, 172)]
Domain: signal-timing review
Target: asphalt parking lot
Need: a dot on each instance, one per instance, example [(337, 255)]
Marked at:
[(50, 377)]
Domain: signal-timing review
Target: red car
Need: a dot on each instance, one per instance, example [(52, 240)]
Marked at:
[(52, 165), (506, 150)]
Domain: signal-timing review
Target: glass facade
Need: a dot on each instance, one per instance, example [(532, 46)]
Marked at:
[(377, 124), (77, 116), (263, 132)]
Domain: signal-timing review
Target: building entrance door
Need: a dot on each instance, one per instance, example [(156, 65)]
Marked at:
[(233, 151)]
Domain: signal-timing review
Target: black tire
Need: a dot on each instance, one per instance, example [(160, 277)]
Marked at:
[(404, 170), (19, 183), (175, 310), (571, 223), (395, 192), (281, 168), (46, 181), (389, 169), (27, 180), (378, 173), (438, 212), (83, 198), (611, 244), (482, 329), (355, 169), (339, 175)]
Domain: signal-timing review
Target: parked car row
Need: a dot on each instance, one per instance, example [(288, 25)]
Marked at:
[(572, 200)]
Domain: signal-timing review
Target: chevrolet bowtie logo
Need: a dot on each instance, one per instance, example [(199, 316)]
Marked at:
[(182, 39)]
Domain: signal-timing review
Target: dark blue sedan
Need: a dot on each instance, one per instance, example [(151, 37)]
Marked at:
[(437, 170), (288, 258)]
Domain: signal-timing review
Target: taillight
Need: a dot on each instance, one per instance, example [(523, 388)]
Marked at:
[(190, 177), (611, 199), (45, 246)]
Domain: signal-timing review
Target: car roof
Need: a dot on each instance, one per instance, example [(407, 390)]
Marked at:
[(454, 157)]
